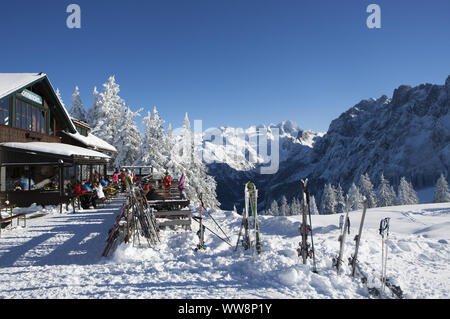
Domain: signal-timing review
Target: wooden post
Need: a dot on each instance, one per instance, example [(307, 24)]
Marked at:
[(61, 183)]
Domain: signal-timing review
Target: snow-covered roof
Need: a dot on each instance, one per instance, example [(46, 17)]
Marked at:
[(11, 82), (93, 141), (56, 149)]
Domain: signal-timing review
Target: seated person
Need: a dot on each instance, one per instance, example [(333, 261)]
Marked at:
[(26, 184), (99, 191), (88, 196), (103, 182)]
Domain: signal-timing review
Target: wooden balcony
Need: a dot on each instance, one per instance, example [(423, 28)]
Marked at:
[(11, 134)]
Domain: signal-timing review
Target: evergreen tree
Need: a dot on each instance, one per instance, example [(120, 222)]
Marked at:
[(108, 113), (312, 203), (386, 193), (441, 193), (93, 114), (274, 209), (340, 200), (366, 189), (153, 151), (296, 207), (128, 139), (284, 209), (406, 193), (328, 202), (355, 199), (76, 108)]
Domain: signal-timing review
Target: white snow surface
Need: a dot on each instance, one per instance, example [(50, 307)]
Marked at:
[(55, 148), (10, 82), (59, 256)]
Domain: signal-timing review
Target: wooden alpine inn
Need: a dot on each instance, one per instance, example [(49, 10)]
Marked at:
[(43, 151)]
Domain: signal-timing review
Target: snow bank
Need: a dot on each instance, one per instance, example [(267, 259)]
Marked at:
[(58, 256)]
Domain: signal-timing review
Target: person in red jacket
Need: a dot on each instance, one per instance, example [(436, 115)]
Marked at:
[(167, 182)]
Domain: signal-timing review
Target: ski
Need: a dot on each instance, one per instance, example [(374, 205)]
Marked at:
[(337, 261), (252, 195), (306, 250), (353, 260), (201, 231), (384, 232)]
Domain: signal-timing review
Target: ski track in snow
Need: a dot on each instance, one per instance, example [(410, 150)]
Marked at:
[(59, 256)]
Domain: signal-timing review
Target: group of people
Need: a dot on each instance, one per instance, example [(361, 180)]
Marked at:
[(90, 193)]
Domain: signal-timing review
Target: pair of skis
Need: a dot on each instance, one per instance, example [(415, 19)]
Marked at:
[(251, 202), (353, 260), (306, 250)]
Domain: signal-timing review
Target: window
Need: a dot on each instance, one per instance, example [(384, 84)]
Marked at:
[(4, 111), (30, 117), (82, 131)]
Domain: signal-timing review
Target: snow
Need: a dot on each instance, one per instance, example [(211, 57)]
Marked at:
[(10, 82), (55, 148), (93, 141), (59, 256)]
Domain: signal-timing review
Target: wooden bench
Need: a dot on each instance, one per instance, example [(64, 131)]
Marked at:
[(12, 216), (176, 218)]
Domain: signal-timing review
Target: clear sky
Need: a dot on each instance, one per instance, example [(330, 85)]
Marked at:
[(231, 62)]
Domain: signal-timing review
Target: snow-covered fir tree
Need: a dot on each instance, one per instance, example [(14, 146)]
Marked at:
[(198, 182), (406, 193), (154, 151), (366, 189), (386, 193), (274, 209), (340, 200), (284, 208), (76, 107), (355, 199), (128, 139), (312, 203), (441, 192), (328, 202), (58, 94), (296, 206), (108, 112), (92, 114)]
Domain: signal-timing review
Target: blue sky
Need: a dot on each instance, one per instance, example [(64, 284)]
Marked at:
[(231, 62)]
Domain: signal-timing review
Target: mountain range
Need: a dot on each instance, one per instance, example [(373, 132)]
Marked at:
[(405, 135)]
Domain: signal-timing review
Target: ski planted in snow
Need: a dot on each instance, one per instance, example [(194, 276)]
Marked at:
[(201, 231), (353, 260), (305, 249), (251, 201), (337, 261), (384, 232)]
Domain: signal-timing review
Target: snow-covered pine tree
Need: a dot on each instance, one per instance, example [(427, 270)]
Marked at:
[(92, 115), (284, 208), (340, 200), (296, 207), (386, 194), (274, 209), (312, 203), (366, 189), (76, 107), (355, 199), (58, 94), (108, 112), (406, 193), (328, 202), (128, 139), (441, 192), (154, 150), (196, 173)]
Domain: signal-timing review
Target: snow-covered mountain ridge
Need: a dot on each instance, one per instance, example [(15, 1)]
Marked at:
[(406, 135)]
